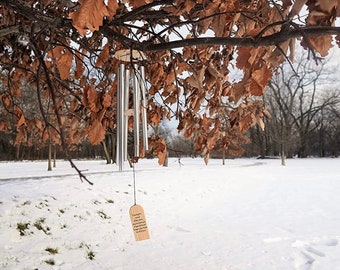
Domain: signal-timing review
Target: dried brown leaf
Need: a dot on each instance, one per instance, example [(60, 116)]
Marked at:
[(328, 5), (103, 56), (321, 44), (296, 8), (95, 132), (112, 7), (260, 79), (90, 15), (90, 98), (106, 101), (138, 3), (21, 121), (206, 158), (79, 65), (246, 122), (64, 63)]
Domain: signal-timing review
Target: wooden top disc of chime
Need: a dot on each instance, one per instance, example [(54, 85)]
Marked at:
[(129, 55)]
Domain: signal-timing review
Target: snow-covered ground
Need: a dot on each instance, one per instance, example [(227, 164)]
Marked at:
[(247, 214)]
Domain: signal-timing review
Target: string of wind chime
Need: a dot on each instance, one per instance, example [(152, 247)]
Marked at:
[(129, 65)]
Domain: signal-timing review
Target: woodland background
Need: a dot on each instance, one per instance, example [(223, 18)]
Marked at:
[(304, 104)]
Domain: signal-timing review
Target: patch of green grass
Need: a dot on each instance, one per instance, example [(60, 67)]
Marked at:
[(26, 203), (90, 255), (50, 261), (103, 215), (42, 204), (79, 217), (22, 227), (96, 202), (39, 225), (51, 250), (89, 252)]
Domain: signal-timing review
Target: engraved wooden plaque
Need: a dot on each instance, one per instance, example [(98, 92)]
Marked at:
[(138, 221)]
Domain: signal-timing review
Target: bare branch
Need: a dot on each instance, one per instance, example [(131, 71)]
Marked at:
[(308, 31), (56, 111)]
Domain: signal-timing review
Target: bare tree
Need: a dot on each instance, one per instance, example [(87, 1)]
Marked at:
[(295, 99)]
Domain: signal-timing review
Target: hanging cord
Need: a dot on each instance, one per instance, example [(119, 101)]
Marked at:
[(134, 183)]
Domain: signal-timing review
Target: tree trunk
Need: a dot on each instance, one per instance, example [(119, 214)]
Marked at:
[(106, 152), (283, 158), (49, 166), (54, 156), (113, 148), (303, 148), (166, 160), (17, 152), (223, 157)]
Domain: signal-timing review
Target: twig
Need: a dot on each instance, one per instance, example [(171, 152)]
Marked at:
[(56, 111)]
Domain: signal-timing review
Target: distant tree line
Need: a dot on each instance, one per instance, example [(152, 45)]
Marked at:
[(303, 101), (40, 152)]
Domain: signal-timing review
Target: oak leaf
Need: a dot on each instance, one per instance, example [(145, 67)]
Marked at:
[(103, 56), (138, 3), (238, 90), (159, 147), (296, 8), (328, 5), (21, 136), (321, 44), (5, 126), (246, 122), (95, 132), (260, 79), (212, 138), (243, 56), (206, 158), (90, 15), (64, 63), (21, 121), (112, 7), (90, 98), (106, 101), (79, 65), (261, 123)]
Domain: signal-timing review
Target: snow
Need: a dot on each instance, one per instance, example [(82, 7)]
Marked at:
[(247, 214)]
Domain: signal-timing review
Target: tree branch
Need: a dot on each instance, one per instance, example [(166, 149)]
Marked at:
[(308, 31), (30, 13), (56, 111), (14, 29)]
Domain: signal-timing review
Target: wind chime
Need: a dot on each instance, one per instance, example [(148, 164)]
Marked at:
[(129, 67), (129, 60)]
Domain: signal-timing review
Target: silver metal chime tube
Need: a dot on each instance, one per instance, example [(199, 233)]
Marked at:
[(120, 116), (136, 109), (144, 106), (126, 117)]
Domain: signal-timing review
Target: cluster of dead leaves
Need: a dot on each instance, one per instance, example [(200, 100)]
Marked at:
[(322, 13)]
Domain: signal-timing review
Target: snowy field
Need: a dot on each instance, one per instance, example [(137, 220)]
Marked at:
[(247, 214)]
